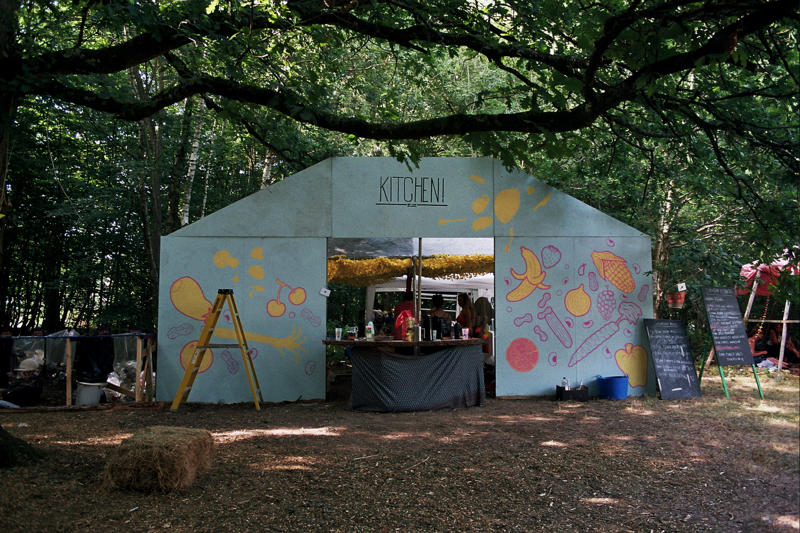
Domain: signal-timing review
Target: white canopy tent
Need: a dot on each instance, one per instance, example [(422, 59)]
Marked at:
[(475, 286)]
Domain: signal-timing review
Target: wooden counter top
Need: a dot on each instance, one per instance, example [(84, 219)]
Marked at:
[(404, 344)]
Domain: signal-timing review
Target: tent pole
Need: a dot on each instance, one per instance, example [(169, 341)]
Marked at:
[(419, 284), (752, 297), (784, 332), (369, 306)]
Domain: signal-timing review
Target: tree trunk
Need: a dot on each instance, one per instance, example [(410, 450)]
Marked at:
[(150, 153), (193, 157), (15, 451), (208, 166), (266, 175), (173, 221), (8, 54), (662, 251)]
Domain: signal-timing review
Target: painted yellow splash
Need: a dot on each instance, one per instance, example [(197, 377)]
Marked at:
[(506, 205), (510, 239), (478, 179), (482, 223), (223, 258), (480, 204), (257, 253), (543, 202), (530, 190), (442, 222), (256, 272), (286, 343), (257, 288)]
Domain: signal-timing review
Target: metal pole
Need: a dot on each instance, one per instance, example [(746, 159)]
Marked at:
[(419, 284)]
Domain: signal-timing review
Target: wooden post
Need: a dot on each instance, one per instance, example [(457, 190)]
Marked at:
[(150, 385), (750, 301), (69, 372), (784, 333), (138, 383)]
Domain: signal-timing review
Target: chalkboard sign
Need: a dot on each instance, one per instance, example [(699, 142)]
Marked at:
[(727, 327), (672, 358)]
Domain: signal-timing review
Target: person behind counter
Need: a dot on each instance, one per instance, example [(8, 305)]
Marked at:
[(483, 317), (467, 315), (442, 325), (406, 305), (437, 308)]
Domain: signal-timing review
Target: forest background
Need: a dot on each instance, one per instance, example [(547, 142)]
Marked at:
[(122, 121)]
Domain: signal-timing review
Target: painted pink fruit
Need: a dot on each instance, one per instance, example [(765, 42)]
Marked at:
[(550, 256)]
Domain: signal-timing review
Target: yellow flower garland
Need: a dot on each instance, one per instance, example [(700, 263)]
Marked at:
[(366, 272)]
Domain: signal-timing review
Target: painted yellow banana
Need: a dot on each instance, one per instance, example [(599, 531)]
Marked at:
[(530, 280)]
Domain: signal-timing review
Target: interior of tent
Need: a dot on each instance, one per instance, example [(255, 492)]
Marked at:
[(424, 266)]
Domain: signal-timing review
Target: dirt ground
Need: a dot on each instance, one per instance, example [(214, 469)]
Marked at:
[(637, 465)]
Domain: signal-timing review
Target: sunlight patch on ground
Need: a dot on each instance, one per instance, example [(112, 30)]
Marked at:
[(641, 411), (785, 521), (602, 501), (554, 444), (519, 419), (784, 447), (233, 436), (763, 407), (405, 435), (457, 437), (619, 437), (289, 463), (112, 440)]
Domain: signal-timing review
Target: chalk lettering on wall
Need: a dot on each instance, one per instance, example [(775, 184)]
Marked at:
[(411, 191)]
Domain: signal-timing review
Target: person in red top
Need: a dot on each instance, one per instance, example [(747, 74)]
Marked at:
[(467, 315), (406, 305)]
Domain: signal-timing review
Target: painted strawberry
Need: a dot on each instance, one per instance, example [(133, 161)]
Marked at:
[(550, 256)]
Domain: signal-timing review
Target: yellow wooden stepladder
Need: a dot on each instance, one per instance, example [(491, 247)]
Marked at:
[(204, 344)]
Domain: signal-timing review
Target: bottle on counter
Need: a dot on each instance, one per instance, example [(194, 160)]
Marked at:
[(369, 332)]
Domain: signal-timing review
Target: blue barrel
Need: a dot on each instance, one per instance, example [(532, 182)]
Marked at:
[(613, 388)]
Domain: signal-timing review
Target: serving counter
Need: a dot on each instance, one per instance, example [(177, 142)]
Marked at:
[(397, 376)]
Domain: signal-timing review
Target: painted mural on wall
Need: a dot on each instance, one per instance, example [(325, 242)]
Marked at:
[(507, 203), (269, 301), (576, 307), (581, 312)]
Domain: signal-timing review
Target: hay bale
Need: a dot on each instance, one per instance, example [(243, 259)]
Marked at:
[(159, 458)]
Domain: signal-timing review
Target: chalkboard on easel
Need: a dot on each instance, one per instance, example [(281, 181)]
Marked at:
[(672, 358), (727, 326)]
